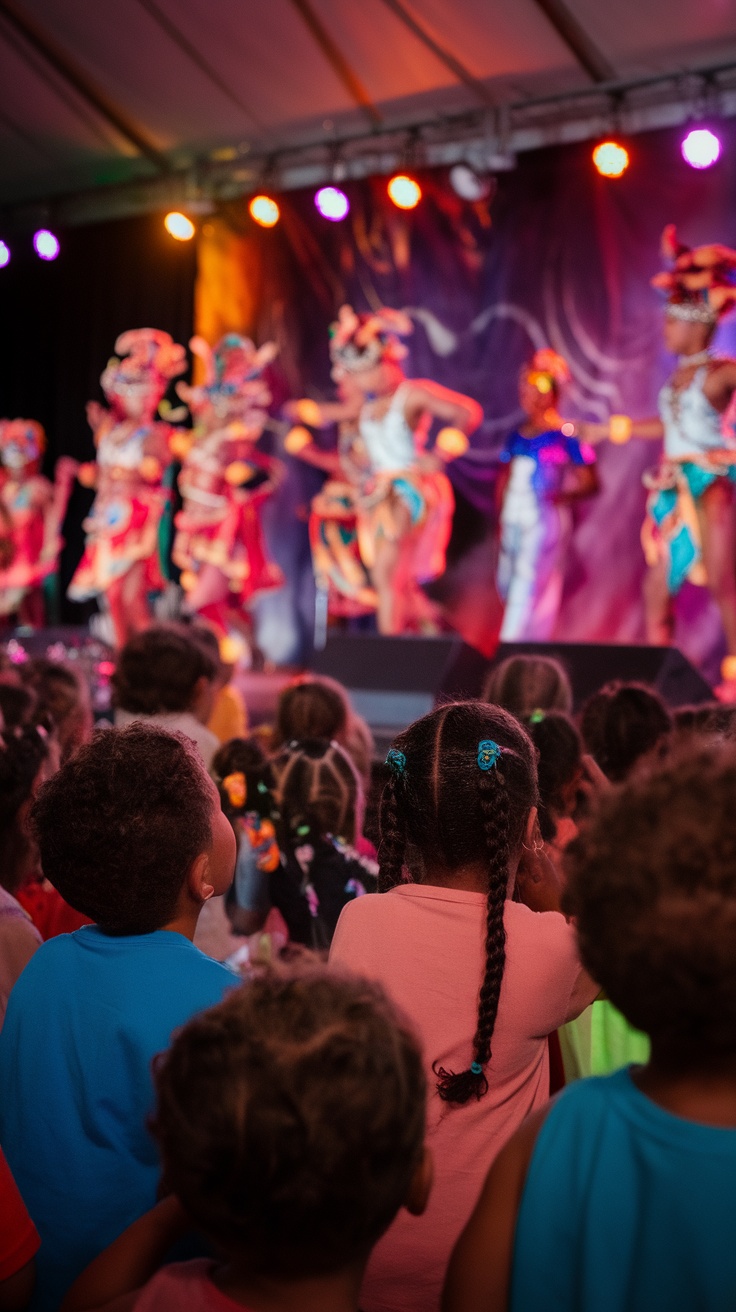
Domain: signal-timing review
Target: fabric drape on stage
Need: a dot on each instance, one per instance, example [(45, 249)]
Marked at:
[(560, 257), (58, 327)]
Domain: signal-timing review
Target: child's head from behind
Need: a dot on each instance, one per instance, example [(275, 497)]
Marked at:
[(26, 755), (163, 670), (318, 790), (312, 708), (461, 794), (622, 724), (244, 778), (652, 883), (127, 823), (64, 697), (291, 1122), (559, 766), (524, 684)]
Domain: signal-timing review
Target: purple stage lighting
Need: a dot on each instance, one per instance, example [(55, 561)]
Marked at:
[(700, 148), (45, 244), (4, 254), (332, 203)]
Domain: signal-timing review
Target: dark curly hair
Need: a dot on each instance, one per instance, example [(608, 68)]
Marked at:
[(623, 723), (23, 752), (559, 758), (158, 670), (121, 823), (444, 807), (245, 756), (291, 1121), (652, 883)]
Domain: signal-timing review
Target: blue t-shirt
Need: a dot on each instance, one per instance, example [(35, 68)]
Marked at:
[(626, 1208), (551, 452), (83, 1023)]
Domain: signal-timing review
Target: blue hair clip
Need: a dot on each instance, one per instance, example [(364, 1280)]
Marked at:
[(396, 762), (489, 754), (476, 1068)]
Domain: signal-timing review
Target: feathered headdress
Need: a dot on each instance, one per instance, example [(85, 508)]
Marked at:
[(699, 282), (361, 341), (233, 378), (22, 441), (548, 371)]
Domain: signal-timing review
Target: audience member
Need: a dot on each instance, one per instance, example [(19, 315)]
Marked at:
[(131, 832), (484, 978), (18, 705), (318, 707), (624, 724), (560, 775), (19, 1244), (621, 1195), (62, 695), (24, 761), (291, 1126), (228, 717), (246, 786), (166, 676), (320, 800), (524, 684)]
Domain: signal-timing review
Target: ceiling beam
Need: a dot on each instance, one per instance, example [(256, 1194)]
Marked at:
[(41, 43), (577, 40), (339, 64), (445, 56)]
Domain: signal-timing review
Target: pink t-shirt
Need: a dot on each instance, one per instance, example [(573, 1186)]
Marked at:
[(426, 946), (184, 1287)]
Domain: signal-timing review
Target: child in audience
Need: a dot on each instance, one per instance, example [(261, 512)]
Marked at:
[(291, 1126), (622, 725), (560, 776), (484, 978), (19, 1243), (318, 707), (24, 760), (166, 676), (62, 695), (320, 800), (131, 833), (621, 1195), (246, 786), (524, 684)]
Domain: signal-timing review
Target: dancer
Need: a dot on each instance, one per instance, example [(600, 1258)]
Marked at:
[(120, 561), (690, 530), (219, 543), (406, 505), (32, 511), (546, 469)]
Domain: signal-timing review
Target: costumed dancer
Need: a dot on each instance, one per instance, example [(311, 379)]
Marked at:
[(219, 544), (32, 511), (121, 558), (406, 505), (545, 469), (341, 577), (690, 529)]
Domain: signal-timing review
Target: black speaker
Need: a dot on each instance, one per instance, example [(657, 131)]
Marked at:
[(393, 681)]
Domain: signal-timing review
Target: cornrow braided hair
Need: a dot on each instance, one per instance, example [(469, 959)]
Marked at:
[(318, 790), (442, 806)]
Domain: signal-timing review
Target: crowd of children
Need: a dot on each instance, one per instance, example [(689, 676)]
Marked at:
[(249, 1061)]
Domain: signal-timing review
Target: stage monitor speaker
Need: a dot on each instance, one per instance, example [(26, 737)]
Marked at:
[(393, 681)]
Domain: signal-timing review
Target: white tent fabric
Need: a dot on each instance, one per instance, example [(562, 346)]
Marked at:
[(188, 77)]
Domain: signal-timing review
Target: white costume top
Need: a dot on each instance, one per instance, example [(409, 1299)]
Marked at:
[(122, 455), (389, 441), (692, 427)]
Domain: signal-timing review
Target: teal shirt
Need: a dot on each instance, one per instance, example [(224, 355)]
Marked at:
[(626, 1208), (84, 1021)]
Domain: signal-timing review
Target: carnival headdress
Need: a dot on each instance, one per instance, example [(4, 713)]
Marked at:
[(22, 441), (548, 371), (233, 378), (361, 341), (699, 282)]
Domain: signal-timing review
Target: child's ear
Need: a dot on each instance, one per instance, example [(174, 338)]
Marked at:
[(199, 883), (421, 1184), (531, 827)]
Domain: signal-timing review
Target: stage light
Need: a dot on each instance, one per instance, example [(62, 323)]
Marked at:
[(332, 203), (469, 185), (611, 159), (700, 148), (179, 226), (45, 244), (265, 211), (4, 254), (404, 192)]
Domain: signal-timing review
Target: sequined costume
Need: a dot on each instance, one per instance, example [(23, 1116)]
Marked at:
[(32, 511)]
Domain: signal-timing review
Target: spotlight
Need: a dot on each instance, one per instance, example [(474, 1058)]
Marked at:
[(469, 185), (4, 254), (265, 211), (700, 148), (332, 203), (611, 159), (179, 226), (45, 244), (404, 192)]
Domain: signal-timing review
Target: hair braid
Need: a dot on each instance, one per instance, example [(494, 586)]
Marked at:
[(495, 810), (392, 847)]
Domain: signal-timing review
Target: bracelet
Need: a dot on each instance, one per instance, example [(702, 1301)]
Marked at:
[(619, 429)]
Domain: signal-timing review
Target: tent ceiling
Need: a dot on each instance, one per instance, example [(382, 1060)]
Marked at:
[(82, 81)]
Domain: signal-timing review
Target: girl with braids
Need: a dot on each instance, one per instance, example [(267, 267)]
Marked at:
[(484, 977)]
